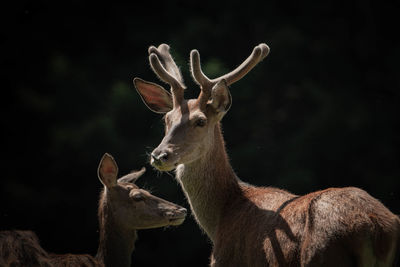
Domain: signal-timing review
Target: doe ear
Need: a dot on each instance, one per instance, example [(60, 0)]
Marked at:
[(108, 171), (155, 97), (221, 99), (132, 177)]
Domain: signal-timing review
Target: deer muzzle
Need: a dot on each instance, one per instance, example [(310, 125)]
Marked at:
[(176, 217), (162, 160)]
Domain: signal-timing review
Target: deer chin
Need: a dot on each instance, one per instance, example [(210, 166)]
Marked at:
[(164, 166), (176, 221), (176, 218)]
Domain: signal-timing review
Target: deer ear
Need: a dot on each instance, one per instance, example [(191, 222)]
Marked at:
[(108, 171), (155, 97), (132, 177), (221, 99)]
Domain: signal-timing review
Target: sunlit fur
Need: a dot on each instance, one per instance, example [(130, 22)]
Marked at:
[(263, 226)]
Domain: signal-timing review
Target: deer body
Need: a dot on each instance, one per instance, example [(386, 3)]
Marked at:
[(248, 225), (319, 229), (124, 208), (264, 226)]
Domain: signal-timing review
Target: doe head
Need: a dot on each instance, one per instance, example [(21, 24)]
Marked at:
[(130, 206)]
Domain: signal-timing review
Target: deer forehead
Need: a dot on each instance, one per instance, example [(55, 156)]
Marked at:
[(188, 110)]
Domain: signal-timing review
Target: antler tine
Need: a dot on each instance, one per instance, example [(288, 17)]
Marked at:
[(258, 54), (167, 61), (164, 66), (195, 68), (164, 75)]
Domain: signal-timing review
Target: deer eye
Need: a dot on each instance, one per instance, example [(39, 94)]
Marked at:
[(201, 122), (137, 196)]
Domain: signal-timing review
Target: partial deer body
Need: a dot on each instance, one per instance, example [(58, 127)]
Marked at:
[(249, 225), (124, 208), (22, 248)]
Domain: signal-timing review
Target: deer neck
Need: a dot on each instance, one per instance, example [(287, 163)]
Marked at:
[(209, 183), (116, 243)]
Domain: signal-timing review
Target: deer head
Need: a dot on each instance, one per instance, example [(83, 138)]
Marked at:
[(189, 123), (132, 207)]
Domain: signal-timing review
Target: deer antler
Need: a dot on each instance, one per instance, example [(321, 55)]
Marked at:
[(198, 76), (165, 68), (206, 84), (258, 54)]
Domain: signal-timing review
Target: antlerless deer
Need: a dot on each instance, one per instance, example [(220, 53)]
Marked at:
[(124, 208), (249, 225)]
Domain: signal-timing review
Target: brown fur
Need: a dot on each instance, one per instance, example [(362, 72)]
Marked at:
[(22, 248), (70, 260), (259, 226), (271, 227)]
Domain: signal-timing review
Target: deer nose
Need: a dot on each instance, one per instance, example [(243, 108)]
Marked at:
[(176, 213), (159, 157), (183, 211)]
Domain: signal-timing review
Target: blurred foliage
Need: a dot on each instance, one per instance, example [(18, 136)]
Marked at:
[(321, 110)]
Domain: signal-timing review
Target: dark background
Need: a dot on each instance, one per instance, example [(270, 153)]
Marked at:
[(320, 111)]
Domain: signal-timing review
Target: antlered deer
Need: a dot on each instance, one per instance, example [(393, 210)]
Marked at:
[(123, 209), (249, 225)]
